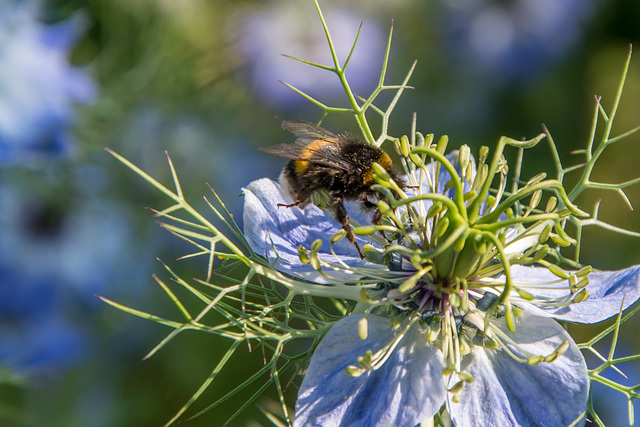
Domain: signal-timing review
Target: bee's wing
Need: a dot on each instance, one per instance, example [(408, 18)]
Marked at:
[(288, 151), (323, 152), (307, 132)]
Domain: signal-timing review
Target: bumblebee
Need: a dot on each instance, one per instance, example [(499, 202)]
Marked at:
[(320, 159)]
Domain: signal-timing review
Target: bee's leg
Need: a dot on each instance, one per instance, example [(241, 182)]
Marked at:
[(282, 205), (343, 219), (377, 215), (300, 199)]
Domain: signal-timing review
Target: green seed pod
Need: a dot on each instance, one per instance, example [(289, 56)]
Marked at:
[(339, 235), (441, 227), (460, 243), (525, 295), (353, 371), (405, 146), (397, 145), (563, 234), (468, 172), (444, 261), (303, 254), (470, 195), (363, 328), (552, 357), (385, 208), (469, 256), (581, 296), (454, 299), (442, 144), (562, 348), (544, 234), (490, 201), (427, 140), (557, 271), (435, 209), (582, 283), (464, 155), (560, 241), (448, 370), (314, 261), (449, 185), (365, 362), (536, 179), (360, 231), (316, 245), (464, 302), (457, 388), (483, 154), (584, 271), (541, 253), (535, 360), (511, 319), (551, 204), (535, 199), (321, 198), (416, 160), (480, 245), (467, 378)]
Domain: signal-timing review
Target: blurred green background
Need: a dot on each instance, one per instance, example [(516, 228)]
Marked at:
[(199, 79)]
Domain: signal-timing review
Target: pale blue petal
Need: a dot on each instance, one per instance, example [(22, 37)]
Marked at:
[(505, 392), (277, 232), (610, 291), (405, 391)]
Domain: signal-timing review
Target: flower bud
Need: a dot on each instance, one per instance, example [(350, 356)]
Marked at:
[(338, 235), (442, 144), (405, 147), (363, 328), (303, 254)]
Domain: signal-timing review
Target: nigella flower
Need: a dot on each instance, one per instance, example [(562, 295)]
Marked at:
[(458, 301), (517, 37), (53, 260), (38, 85)]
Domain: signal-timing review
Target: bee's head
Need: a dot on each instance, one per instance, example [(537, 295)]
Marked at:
[(397, 178)]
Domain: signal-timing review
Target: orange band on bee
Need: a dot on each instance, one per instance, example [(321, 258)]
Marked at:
[(385, 161), (301, 166), (367, 179), (314, 147)]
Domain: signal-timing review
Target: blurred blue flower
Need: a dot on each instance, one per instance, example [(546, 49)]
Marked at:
[(263, 35), (36, 337), (38, 87), (513, 38), (56, 253), (82, 242)]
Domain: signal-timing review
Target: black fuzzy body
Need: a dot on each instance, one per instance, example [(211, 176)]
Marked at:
[(322, 160), (349, 184)]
